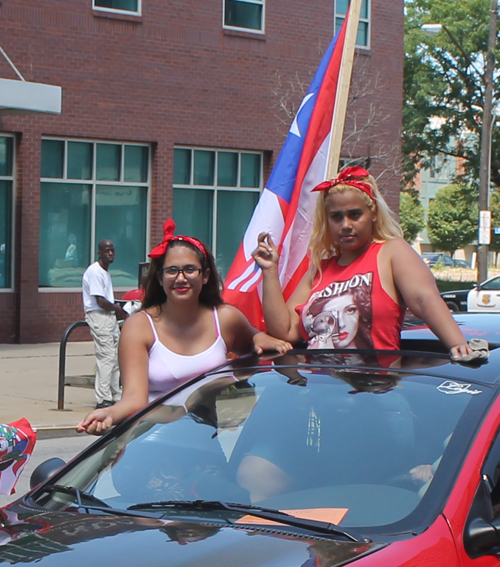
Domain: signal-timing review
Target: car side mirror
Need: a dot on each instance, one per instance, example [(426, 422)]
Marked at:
[(482, 529), (45, 470), (481, 537)]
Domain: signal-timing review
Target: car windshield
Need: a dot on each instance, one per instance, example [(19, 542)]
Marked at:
[(493, 284), (359, 449)]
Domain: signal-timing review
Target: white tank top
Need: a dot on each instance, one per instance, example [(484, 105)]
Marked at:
[(167, 370)]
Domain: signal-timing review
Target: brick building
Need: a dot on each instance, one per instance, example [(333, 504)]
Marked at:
[(169, 108)]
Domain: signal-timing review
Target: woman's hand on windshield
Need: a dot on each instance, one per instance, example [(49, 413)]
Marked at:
[(475, 350), (263, 341), (97, 422)]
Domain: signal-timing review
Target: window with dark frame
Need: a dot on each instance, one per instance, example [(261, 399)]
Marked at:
[(6, 209), (215, 194), (91, 191), (247, 15), (126, 6), (341, 7)]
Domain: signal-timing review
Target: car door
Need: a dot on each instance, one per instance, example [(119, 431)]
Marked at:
[(473, 504), (486, 297), (480, 541)]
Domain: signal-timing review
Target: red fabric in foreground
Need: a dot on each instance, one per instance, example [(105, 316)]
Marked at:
[(133, 294), (17, 441)]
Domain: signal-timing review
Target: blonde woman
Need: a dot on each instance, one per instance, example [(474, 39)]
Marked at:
[(357, 247)]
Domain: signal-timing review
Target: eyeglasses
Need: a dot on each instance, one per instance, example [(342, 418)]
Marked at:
[(189, 272)]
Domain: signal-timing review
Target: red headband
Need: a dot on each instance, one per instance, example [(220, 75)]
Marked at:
[(348, 176), (168, 236)]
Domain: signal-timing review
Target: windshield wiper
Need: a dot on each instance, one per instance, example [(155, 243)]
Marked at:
[(80, 495), (257, 511), (94, 503)]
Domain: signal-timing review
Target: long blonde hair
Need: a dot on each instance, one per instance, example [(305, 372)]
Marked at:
[(385, 226)]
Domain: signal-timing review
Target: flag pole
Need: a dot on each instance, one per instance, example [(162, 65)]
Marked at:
[(342, 95)]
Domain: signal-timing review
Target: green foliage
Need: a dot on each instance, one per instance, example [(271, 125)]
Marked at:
[(439, 82), (411, 215), (452, 221)]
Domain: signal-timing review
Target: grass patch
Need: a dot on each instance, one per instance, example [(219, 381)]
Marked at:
[(449, 279), (447, 285)]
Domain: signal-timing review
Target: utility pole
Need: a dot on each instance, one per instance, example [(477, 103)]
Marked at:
[(484, 236)]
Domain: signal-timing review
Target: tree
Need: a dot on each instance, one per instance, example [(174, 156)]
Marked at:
[(452, 218), (411, 215), (443, 92), (366, 120)]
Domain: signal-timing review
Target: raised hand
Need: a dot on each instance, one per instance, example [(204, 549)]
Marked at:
[(266, 254)]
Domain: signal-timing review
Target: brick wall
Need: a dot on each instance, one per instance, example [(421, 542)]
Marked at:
[(172, 76)]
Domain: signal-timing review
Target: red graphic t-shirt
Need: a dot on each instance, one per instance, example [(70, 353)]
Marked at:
[(348, 307)]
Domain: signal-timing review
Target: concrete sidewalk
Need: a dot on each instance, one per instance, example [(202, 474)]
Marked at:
[(29, 386)]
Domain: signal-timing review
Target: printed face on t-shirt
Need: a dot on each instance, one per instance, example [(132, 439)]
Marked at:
[(339, 316), (346, 312)]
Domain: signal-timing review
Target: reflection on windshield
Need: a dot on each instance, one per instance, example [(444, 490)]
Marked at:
[(284, 438)]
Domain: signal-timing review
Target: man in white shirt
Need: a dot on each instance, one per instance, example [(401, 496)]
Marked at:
[(101, 314)]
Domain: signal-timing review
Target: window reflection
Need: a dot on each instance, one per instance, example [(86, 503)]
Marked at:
[(69, 209)]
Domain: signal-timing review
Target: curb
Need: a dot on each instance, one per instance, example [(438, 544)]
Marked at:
[(56, 432)]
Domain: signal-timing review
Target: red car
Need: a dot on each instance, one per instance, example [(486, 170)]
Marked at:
[(315, 458)]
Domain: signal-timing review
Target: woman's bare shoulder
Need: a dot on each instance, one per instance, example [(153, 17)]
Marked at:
[(138, 324), (396, 244), (234, 325), (406, 264), (228, 313), (398, 249), (137, 318)]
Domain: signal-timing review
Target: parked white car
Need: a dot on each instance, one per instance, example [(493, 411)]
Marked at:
[(482, 298), (485, 297)]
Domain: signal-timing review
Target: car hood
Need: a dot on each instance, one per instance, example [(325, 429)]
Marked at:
[(69, 538), (472, 325), (455, 291)]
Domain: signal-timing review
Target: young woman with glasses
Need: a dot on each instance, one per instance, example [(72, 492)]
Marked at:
[(183, 329)]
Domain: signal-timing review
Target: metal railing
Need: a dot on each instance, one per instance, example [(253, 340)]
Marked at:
[(62, 361)]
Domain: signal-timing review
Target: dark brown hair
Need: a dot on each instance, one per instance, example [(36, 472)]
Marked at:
[(362, 298)]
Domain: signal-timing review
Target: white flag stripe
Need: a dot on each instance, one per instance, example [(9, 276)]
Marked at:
[(267, 217), (300, 231), (243, 277), (250, 282)]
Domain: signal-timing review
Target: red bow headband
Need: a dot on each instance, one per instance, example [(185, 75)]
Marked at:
[(168, 236), (348, 176)]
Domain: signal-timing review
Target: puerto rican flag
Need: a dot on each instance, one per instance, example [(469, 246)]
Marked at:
[(286, 206), (17, 441)]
